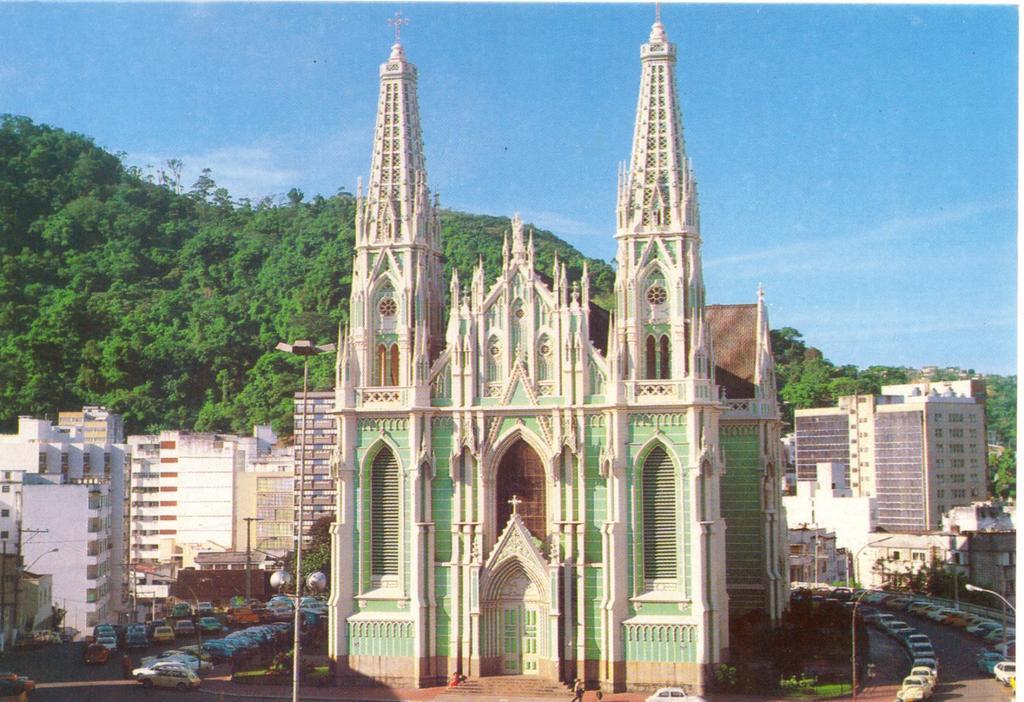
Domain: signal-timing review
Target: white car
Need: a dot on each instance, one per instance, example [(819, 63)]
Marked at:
[(673, 693), (914, 688), (166, 674), (1005, 670), (924, 671), (183, 659)]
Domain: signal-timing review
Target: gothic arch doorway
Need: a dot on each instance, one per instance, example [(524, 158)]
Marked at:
[(521, 474)]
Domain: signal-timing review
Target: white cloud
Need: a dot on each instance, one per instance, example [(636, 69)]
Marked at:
[(246, 171)]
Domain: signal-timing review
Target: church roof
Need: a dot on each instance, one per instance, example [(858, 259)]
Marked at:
[(734, 339)]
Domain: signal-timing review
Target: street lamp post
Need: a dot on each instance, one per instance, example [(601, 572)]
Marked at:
[(853, 620), (304, 348), (1006, 603)]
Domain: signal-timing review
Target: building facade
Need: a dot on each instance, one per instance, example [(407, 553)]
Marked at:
[(316, 426), (183, 493), (541, 487), (62, 509), (814, 558), (918, 449)]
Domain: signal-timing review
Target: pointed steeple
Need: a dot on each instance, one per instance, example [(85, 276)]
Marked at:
[(658, 189), (397, 191)]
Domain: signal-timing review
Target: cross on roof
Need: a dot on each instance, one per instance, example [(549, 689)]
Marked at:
[(397, 21), (515, 502)]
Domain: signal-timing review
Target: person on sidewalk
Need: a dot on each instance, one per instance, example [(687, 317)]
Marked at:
[(578, 689)]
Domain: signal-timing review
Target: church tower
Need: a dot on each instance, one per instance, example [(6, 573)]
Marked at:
[(396, 302), (659, 286)]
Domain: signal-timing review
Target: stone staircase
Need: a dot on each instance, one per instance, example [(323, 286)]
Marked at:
[(513, 688)]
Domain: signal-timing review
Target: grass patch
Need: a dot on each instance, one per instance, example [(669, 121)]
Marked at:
[(822, 691)]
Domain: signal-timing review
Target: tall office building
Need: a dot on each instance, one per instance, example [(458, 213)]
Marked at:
[(316, 426), (919, 448)]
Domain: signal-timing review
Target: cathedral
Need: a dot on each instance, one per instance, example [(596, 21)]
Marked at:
[(529, 484)]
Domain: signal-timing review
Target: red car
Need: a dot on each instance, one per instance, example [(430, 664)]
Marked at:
[(96, 654)]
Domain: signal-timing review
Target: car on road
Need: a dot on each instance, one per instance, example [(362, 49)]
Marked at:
[(996, 635), (917, 638), (181, 609), (166, 674), (163, 633), (210, 625), (108, 641), (181, 658), (204, 609), (136, 639), (982, 627), (239, 616), (922, 650), (914, 688), (184, 627), (923, 671), (28, 683), (673, 693), (928, 662), (1005, 670), (987, 661), (95, 654)]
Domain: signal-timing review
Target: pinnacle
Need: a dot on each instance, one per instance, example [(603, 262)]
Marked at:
[(658, 32)]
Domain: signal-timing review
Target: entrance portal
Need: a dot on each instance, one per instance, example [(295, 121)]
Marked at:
[(517, 608)]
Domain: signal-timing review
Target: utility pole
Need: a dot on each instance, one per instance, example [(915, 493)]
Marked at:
[(248, 556)]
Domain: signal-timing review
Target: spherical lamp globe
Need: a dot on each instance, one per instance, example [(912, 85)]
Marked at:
[(280, 579), (316, 581)]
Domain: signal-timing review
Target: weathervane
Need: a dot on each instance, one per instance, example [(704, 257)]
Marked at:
[(397, 21)]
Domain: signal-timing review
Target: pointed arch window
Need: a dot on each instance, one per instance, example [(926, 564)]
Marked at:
[(518, 327), (386, 365), (544, 359), (660, 515), (658, 357), (493, 360), (384, 515)]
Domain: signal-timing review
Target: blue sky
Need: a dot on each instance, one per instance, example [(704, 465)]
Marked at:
[(859, 161)]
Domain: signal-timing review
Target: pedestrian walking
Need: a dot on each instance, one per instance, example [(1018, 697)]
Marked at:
[(578, 689)]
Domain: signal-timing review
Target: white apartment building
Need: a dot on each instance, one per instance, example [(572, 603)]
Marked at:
[(828, 502), (62, 508), (319, 427), (266, 492), (814, 557), (183, 493), (918, 448)]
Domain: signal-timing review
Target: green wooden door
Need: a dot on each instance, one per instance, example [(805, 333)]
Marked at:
[(511, 648), (530, 641)]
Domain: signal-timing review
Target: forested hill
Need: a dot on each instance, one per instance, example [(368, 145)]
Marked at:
[(165, 303)]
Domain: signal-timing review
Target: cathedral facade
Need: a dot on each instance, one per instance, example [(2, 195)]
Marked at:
[(529, 484)]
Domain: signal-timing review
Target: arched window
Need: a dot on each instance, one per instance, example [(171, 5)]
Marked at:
[(660, 515), (384, 514), (493, 360), (544, 359), (394, 365), (665, 360), (380, 372), (518, 327), (651, 367)]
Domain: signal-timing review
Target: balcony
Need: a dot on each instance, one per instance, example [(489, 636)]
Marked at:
[(656, 392), (384, 397)]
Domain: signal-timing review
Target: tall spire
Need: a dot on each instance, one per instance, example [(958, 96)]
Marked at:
[(659, 190), (396, 194)]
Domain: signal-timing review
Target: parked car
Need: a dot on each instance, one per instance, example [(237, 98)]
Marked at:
[(1005, 670), (240, 616), (108, 641), (982, 626), (927, 661), (96, 654), (917, 639), (918, 606), (914, 688), (181, 609), (987, 661), (163, 633), (184, 627), (922, 650), (204, 609), (955, 618), (25, 681), (210, 625), (1010, 650), (152, 625), (674, 693), (136, 638), (166, 674), (923, 671)]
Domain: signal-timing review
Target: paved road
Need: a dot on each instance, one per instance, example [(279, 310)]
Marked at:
[(959, 677)]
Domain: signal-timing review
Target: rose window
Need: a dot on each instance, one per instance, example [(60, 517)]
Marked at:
[(656, 295), (388, 307)]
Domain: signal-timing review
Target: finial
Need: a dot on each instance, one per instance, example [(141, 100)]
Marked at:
[(397, 21), (760, 292), (515, 502), (657, 12)]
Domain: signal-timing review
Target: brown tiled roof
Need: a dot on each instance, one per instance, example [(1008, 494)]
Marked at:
[(734, 336)]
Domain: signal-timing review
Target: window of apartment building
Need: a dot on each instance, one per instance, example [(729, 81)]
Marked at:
[(5, 534), (956, 448), (894, 555), (957, 477), (5, 488), (956, 417), (43, 465), (940, 493), (940, 463), (938, 432), (958, 463), (940, 477), (5, 512), (972, 432), (918, 556), (956, 433), (937, 416), (940, 447), (960, 492)]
